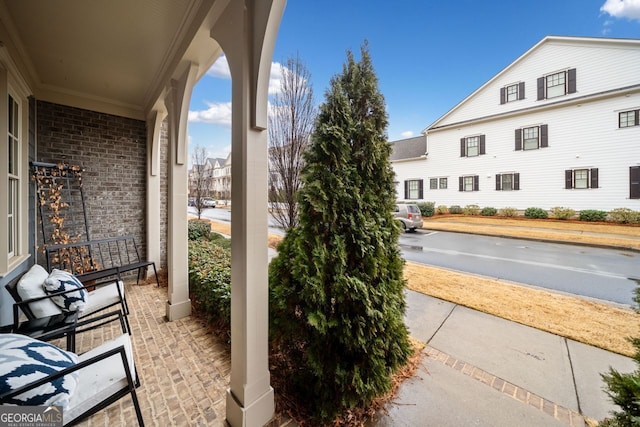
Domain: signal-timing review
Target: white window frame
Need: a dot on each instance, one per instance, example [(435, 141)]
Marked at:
[(473, 146), (504, 181), (511, 93), (467, 184), (12, 84), (628, 123), (531, 139), (441, 181), (413, 189), (581, 182), (556, 84)]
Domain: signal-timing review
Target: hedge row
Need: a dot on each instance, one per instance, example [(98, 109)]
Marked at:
[(619, 215)]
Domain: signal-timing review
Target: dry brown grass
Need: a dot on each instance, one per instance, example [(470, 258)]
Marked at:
[(592, 323), (562, 231)]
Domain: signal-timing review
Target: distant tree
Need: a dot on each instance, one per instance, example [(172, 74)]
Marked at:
[(199, 179), (337, 300), (291, 120), (624, 388)]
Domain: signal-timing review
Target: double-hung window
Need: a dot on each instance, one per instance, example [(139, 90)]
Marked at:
[(513, 92), (507, 181), (413, 189), (13, 140), (469, 183), (628, 118), (472, 146), (532, 137), (581, 178), (557, 84)]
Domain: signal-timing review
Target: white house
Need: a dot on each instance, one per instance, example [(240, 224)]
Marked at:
[(557, 127)]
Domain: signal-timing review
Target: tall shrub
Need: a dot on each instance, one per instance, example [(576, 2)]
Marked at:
[(337, 286)]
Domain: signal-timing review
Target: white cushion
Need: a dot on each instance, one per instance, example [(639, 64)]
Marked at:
[(59, 281), (31, 285), (103, 296), (102, 379), (24, 360)]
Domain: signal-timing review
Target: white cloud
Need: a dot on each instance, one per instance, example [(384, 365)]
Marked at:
[(220, 68), (406, 134), (622, 8), (218, 113)]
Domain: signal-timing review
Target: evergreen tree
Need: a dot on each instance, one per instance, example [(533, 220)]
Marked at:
[(337, 284), (624, 389)]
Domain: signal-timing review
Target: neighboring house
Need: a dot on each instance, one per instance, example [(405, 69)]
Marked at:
[(557, 127), (106, 86), (408, 157), (221, 183)]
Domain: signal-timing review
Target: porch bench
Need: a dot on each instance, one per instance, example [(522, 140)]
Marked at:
[(90, 259)]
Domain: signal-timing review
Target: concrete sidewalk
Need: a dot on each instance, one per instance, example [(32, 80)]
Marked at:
[(482, 370)]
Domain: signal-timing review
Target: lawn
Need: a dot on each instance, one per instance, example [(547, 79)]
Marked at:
[(598, 324)]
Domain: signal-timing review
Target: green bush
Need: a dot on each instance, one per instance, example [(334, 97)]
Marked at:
[(427, 208), (471, 210), (536, 213), (509, 212), (488, 211), (198, 229), (591, 215), (624, 216), (442, 210), (210, 281), (559, 212), (455, 209)]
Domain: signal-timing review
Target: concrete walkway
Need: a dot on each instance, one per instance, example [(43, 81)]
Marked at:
[(482, 370)]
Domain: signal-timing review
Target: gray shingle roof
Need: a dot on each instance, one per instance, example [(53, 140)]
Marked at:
[(410, 148)]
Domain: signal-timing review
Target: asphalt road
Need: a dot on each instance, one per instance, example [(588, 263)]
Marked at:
[(604, 274)]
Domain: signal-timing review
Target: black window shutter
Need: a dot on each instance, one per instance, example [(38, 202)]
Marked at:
[(406, 189), (568, 179), (594, 177), (461, 183), (540, 88), (482, 144), (463, 147), (518, 139), (476, 183), (516, 181), (420, 189), (571, 81), (521, 90), (544, 136), (637, 117), (502, 95), (498, 182), (634, 182)]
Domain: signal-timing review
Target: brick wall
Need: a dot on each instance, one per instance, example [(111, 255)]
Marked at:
[(112, 150)]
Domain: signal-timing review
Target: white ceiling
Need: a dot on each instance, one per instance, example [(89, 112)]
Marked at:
[(110, 55)]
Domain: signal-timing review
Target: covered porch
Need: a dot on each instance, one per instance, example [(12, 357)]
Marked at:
[(106, 86)]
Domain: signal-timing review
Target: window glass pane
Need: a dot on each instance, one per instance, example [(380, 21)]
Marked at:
[(13, 153), (555, 85), (580, 178), (433, 183), (443, 183), (507, 181), (472, 146), (512, 93), (413, 189), (627, 118), (468, 183), (530, 136)]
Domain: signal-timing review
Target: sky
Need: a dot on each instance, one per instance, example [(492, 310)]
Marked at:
[(428, 55)]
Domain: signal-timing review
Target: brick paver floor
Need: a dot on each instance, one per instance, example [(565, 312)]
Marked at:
[(184, 369)]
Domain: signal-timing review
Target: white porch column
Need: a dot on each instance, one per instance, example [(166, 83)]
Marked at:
[(177, 102), (154, 128), (247, 31)]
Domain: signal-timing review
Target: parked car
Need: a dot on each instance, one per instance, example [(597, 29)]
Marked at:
[(208, 203), (409, 216)]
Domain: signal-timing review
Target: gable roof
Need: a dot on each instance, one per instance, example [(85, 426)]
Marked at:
[(410, 148), (546, 40)]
